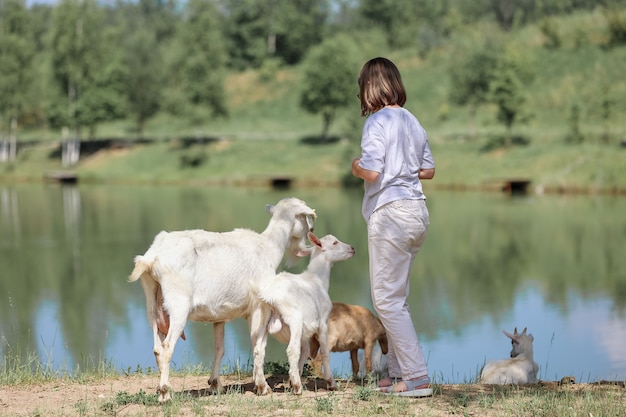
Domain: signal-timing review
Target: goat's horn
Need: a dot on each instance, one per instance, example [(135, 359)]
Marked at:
[(524, 331)]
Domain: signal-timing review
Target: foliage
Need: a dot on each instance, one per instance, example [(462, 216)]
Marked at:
[(326, 404), (77, 57), (200, 61), (258, 30), (549, 28), (329, 79), (616, 19), (124, 398), (574, 135), (16, 54), (513, 72), (126, 67), (472, 78), (144, 77)]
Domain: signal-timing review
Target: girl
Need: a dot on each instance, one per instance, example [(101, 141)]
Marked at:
[(395, 156)]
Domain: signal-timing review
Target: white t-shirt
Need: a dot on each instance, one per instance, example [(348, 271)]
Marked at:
[(394, 144)]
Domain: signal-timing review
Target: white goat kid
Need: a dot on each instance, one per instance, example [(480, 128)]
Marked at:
[(206, 276), (298, 306), (520, 369)]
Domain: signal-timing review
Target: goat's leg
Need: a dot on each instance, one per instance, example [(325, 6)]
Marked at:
[(316, 360), (177, 323), (293, 355), (305, 351), (324, 352), (259, 320), (218, 354), (368, 349), (151, 289), (354, 359)]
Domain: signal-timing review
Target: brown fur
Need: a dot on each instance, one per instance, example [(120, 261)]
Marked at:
[(350, 328)]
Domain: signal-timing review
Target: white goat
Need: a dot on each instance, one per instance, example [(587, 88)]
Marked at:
[(520, 369), (299, 305), (350, 328), (206, 276)]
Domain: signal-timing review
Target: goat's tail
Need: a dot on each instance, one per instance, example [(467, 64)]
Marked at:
[(261, 292), (142, 266)]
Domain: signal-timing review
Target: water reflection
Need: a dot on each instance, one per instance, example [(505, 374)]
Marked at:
[(554, 264)]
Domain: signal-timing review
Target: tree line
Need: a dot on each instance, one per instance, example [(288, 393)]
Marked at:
[(76, 64)]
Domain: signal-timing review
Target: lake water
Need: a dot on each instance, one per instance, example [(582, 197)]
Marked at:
[(553, 264)]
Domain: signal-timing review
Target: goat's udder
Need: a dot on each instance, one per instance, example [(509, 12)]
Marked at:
[(162, 316)]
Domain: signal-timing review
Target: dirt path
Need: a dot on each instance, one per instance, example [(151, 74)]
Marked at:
[(101, 398)]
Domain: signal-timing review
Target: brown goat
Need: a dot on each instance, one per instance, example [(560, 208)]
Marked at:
[(350, 328)]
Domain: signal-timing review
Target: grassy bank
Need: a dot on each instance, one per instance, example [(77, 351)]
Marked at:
[(29, 387), (134, 395), (466, 164)]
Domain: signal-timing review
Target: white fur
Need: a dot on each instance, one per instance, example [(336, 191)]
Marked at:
[(206, 276), (520, 369), (299, 306)]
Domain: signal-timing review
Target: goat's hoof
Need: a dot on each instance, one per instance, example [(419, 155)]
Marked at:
[(164, 393), (263, 390), (215, 386)]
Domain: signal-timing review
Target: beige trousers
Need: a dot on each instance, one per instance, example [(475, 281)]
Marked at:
[(396, 232)]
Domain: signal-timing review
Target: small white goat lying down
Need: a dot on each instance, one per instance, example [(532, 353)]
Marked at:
[(206, 276), (298, 306), (350, 328), (520, 369)]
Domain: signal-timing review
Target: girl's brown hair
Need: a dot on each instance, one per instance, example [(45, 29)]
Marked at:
[(380, 85)]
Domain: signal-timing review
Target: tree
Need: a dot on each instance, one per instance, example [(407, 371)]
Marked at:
[(200, 61), (144, 76), (259, 29), (16, 54), (471, 80), (246, 33), (104, 99), (329, 79), (397, 18), (297, 25), (76, 47), (160, 16), (512, 72)]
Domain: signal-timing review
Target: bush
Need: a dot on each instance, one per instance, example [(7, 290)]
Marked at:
[(616, 19)]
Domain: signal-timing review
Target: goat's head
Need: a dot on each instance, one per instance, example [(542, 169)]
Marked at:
[(520, 342), (301, 217), (334, 250), (384, 344)]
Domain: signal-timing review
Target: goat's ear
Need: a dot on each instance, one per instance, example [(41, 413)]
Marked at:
[(509, 335), (304, 252), (309, 221), (314, 239), (269, 208)]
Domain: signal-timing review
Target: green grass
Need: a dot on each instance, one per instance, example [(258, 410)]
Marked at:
[(79, 395), (463, 163)]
